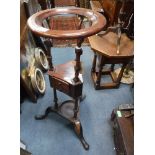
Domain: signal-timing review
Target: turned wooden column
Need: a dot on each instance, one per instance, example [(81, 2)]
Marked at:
[(78, 52), (49, 55)]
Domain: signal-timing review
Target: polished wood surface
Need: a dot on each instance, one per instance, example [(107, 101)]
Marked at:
[(35, 23), (107, 45)]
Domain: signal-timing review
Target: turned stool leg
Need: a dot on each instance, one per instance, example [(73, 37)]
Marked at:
[(120, 74), (94, 63), (99, 73)]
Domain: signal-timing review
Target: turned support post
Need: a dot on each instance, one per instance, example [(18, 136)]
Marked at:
[(78, 52), (100, 71), (48, 45), (76, 108)]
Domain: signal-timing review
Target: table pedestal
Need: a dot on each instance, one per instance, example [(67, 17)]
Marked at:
[(67, 78)]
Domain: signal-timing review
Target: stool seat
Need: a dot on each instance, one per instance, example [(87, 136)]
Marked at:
[(107, 45)]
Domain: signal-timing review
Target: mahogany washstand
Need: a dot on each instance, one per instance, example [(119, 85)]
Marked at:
[(67, 77)]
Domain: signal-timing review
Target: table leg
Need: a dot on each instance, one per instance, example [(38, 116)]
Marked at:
[(79, 131)]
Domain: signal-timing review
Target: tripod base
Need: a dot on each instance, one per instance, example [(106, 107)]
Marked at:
[(66, 110)]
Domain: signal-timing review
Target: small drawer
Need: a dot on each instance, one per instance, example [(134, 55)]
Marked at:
[(60, 85)]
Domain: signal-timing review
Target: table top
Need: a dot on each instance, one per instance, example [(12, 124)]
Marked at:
[(106, 45), (35, 23)]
